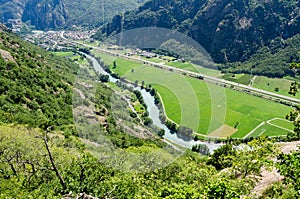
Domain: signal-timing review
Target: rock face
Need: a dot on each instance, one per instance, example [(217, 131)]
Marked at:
[(45, 14), (52, 14), (11, 9), (230, 30)]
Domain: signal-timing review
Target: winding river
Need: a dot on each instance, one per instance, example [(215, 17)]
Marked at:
[(154, 113)]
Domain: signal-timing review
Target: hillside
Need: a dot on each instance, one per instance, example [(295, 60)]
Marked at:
[(36, 86), (230, 31), (53, 14)]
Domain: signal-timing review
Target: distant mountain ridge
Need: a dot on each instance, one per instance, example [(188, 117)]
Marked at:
[(45, 14), (53, 14), (230, 30)]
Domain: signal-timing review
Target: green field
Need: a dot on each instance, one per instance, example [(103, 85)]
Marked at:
[(194, 68), (107, 59), (283, 123), (123, 66), (268, 130), (186, 66), (238, 78), (154, 59), (205, 107), (269, 84), (71, 55)]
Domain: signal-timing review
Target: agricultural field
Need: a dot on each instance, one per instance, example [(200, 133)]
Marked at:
[(238, 78), (70, 55), (206, 108), (105, 58), (195, 68), (270, 84), (273, 127)]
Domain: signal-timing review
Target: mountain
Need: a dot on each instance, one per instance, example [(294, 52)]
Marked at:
[(45, 14), (230, 31), (11, 9), (53, 14), (93, 13)]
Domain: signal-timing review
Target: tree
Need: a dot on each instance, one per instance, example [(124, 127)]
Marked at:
[(292, 116), (222, 157), (293, 88), (252, 157), (161, 133), (220, 188), (185, 133), (289, 167), (152, 91), (172, 126), (236, 124), (103, 78), (201, 148), (136, 82), (143, 84), (147, 121)]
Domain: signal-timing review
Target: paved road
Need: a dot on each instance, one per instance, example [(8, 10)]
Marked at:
[(292, 100)]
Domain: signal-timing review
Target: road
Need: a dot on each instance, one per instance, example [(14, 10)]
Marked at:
[(245, 88)]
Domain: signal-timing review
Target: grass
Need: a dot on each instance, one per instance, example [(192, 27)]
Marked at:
[(283, 123), (274, 131), (269, 84), (154, 59), (71, 55), (123, 66), (205, 107), (268, 130), (107, 59), (245, 79), (194, 68), (238, 78)]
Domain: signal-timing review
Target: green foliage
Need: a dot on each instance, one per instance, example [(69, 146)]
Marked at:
[(201, 148), (188, 176), (103, 78), (294, 88), (221, 189), (185, 133), (36, 86), (222, 157), (243, 159), (279, 190), (289, 167)]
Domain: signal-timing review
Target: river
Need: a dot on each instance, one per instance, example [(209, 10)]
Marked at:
[(154, 113)]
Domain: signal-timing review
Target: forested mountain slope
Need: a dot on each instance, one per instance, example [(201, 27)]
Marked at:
[(230, 31), (35, 86)]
